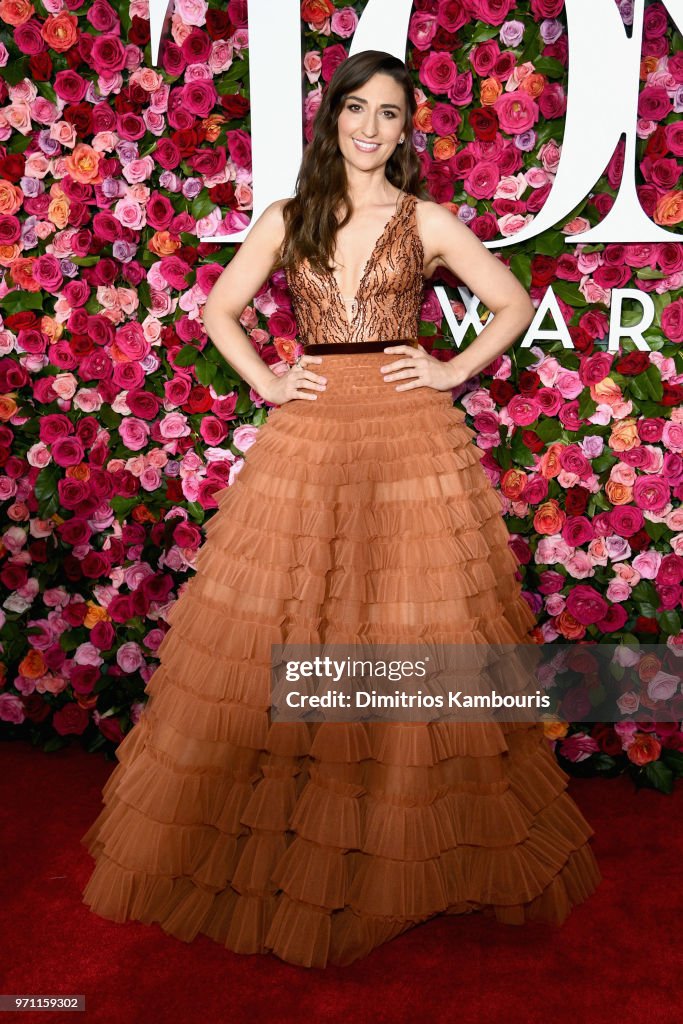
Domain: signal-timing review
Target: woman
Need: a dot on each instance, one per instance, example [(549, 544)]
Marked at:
[(361, 513)]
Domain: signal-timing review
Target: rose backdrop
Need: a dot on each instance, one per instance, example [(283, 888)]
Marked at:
[(120, 420)]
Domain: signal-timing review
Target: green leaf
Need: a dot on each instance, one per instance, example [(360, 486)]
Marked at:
[(204, 370), (15, 71), (196, 511), (673, 759), (483, 33), (46, 482), (550, 67), (570, 293), (549, 430), (587, 405), (202, 205), (187, 356), (122, 507), (670, 621), (551, 243), (520, 265), (18, 300), (661, 777)]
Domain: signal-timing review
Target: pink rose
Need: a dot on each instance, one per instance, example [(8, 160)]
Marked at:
[(517, 112), (344, 22), (493, 12), (200, 96), (484, 56), (331, 59), (651, 492), (445, 119), (134, 433), (239, 147), (482, 181), (438, 72), (47, 272), (672, 320), (422, 29), (107, 54)]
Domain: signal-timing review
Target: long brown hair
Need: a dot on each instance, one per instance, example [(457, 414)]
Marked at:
[(310, 218)]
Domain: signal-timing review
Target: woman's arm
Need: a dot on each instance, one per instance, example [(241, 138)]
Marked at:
[(449, 243), (234, 290)]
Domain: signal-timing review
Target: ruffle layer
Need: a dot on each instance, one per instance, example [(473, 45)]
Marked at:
[(362, 517)]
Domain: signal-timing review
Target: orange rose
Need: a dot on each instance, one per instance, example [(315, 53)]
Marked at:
[(95, 614), (568, 627), (83, 164), (60, 32), (644, 749), (58, 211), (16, 12), (32, 665), (618, 493), (513, 483), (11, 197), (163, 243), (444, 147), (549, 517), (212, 126), (648, 667), (51, 328), (79, 472), (533, 84), (554, 729), (647, 66), (8, 407), (141, 514), (285, 348), (669, 208), (490, 91), (21, 274), (624, 435), (549, 465), (316, 12), (422, 119), (8, 254), (606, 392)]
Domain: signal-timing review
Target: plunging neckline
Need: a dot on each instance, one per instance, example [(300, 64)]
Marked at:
[(365, 267)]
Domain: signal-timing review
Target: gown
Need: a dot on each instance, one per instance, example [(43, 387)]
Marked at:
[(362, 516)]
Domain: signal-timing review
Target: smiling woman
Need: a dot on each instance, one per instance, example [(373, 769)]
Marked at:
[(361, 516)]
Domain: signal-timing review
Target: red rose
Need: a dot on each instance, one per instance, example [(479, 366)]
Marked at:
[(198, 400), (12, 168), (218, 24), (70, 719), (532, 441), (484, 123), (138, 33), (633, 364), (40, 67), (501, 391), (235, 106), (80, 116), (576, 501)]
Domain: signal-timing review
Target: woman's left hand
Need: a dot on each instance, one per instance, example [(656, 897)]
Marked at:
[(423, 369)]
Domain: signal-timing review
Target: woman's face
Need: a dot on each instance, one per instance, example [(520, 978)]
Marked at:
[(371, 122)]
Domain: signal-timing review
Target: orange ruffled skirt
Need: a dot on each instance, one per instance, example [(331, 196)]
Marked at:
[(362, 515)]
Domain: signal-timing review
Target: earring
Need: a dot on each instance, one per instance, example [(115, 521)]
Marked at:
[(401, 141)]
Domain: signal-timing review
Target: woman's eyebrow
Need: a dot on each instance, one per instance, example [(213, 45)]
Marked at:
[(361, 100)]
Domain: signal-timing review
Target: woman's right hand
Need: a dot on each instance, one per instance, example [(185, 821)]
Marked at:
[(297, 382)]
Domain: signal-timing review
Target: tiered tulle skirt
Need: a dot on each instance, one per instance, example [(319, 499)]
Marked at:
[(361, 516)]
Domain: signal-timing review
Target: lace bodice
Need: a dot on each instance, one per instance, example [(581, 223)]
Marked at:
[(389, 297)]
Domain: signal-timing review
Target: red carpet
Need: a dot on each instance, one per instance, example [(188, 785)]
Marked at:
[(615, 961)]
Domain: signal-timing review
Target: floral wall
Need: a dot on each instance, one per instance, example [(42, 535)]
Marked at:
[(119, 420)]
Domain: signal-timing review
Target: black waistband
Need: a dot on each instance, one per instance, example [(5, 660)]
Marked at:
[(356, 346)]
